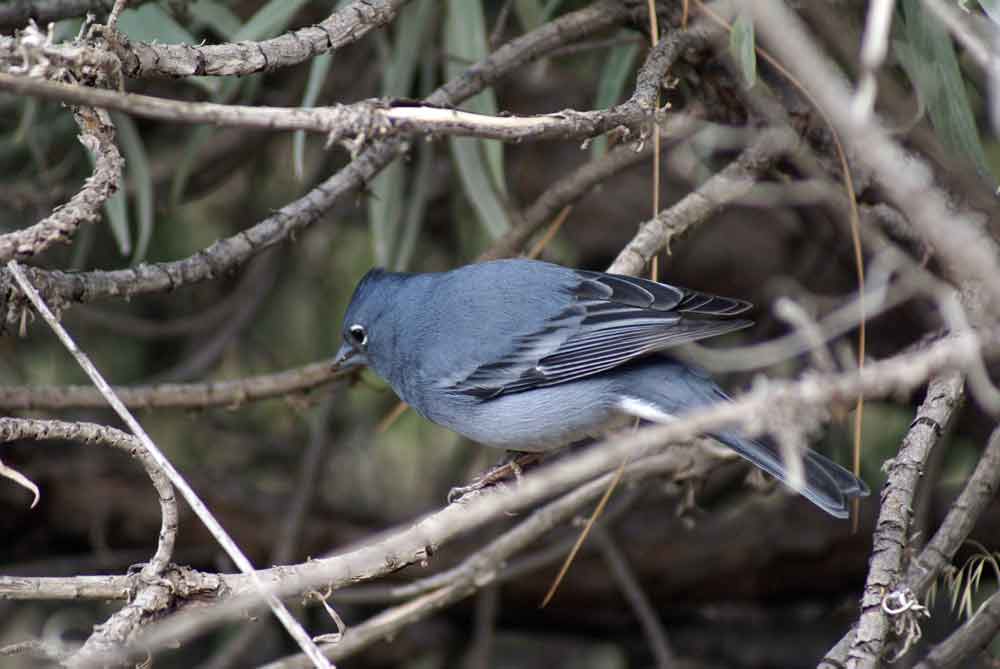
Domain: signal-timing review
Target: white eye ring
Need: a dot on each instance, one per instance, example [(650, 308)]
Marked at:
[(358, 335)]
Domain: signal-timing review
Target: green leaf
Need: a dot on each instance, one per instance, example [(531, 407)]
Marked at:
[(149, 23), (530, 13), (318, 71), (387, 202), (269, 20), (550, 9), (614, 75), (928, 57), (138, 173), (216, 16), (742, 48), (117, 213), (29, 110), (417, 207), (479, 163)]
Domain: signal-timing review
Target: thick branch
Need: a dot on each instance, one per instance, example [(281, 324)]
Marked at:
[(975, 497), (98, 136), (142, 60), (892, 532)]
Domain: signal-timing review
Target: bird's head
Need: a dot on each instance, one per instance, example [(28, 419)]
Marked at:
[(360, 329)]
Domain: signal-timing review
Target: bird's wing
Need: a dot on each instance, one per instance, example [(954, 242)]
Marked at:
[(608, 321)]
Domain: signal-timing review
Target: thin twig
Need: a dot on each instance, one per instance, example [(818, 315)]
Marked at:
[(621, 571), (228, 393)]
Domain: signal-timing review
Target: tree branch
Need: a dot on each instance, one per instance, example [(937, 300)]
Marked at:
[(16, 429), (751, 412), (892, 531), (737, 179), (143, 60), (232, 394), (61, 289), (971, 638)]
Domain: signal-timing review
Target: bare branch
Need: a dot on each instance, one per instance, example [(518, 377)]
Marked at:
[(142, 60), (15, 429), (34, 53), (621, 571), (350, 124), (152, 598), (966, 248), (733, 182), (978, 492), (231, 394), (97, 135), (574, 186), (61, 289), (892, 532), (416, 542), (971, 638)]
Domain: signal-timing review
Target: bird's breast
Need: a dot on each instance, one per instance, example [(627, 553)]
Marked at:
[(540, 419)]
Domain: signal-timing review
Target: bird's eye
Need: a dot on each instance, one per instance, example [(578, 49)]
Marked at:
[(358, 335)]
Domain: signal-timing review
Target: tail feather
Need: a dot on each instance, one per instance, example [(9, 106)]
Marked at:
[(659, 389), (827, 485)]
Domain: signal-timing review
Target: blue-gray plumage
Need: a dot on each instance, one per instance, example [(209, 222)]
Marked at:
[(529, 356)]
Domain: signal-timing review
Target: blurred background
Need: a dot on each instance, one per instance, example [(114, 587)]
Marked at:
[(738, 578)]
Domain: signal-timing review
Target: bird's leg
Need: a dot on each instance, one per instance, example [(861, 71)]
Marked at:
[(511, 465)]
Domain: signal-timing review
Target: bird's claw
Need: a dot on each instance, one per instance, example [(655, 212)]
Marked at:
[(513, 468)]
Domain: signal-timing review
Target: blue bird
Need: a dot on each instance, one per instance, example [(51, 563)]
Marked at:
[(529, 356)]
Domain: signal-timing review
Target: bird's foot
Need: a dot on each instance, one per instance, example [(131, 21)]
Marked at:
[(512, 465)]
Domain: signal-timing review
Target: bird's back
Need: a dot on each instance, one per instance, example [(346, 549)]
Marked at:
[(457, 321)]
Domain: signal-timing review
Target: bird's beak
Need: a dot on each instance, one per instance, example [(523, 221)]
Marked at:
[(349, 358)]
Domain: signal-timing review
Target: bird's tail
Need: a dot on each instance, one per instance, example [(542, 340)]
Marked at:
[(659, 389), (825, 483)]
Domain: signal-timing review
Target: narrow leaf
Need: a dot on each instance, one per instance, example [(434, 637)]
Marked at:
[(318, 71), (387, 202), (742, 47), (928, 57), (139, 175), (22, 480), (216, 17), (479, 162), (530, 13), (269, 20), (614, 75)]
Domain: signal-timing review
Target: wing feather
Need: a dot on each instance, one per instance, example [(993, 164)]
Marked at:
[(608, 320)]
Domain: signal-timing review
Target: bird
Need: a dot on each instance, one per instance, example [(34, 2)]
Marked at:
[(530, 356)]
